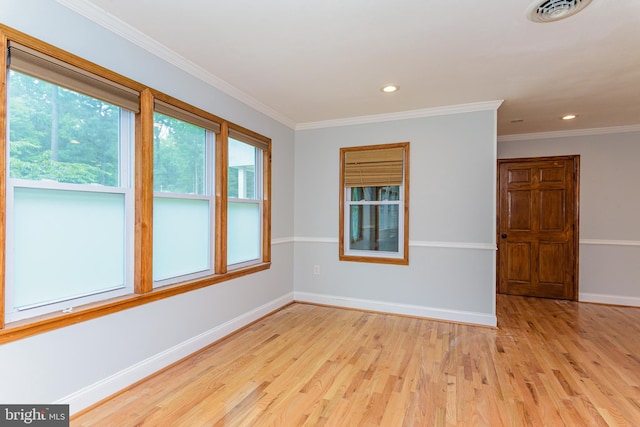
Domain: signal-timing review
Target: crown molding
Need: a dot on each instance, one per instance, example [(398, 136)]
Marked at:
[(569, 133), (411, 114), (117, 26), (124, 30)]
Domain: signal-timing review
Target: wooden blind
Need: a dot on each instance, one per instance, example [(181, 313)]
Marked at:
[(186, 116), (261, 143), (373, 168), (45, 67)]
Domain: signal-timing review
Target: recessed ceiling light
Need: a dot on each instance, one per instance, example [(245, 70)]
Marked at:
[(569, 117), (390, 88)]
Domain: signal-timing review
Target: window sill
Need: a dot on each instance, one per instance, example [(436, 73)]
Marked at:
[(28, 327), (375, 260)]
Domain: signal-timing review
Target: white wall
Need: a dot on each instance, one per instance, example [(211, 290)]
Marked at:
[(609, 207), (452, 219), (86, 362)]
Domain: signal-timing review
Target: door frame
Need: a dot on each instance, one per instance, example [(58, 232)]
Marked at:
[(575, 158)]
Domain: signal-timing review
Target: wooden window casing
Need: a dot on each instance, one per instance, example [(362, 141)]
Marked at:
[(143, 188), (375, 166)]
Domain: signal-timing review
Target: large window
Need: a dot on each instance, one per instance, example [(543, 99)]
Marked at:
[(374, 203), (69, 200), (114, 194)]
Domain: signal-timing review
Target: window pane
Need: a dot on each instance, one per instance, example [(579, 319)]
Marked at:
[(242, 170), (374, 227), (61, 135), (179, 156), (244, 232), (66, 244), (181, 237), (375, 194)]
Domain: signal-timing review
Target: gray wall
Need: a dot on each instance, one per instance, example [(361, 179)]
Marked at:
[(609, 208), (83, 363), (452, 219)]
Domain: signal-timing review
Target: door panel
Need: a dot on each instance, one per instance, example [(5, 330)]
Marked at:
[(519, 204), (553, 174), (519, 263), (537, 226), (519, 176), (552, 210), (551, 263)]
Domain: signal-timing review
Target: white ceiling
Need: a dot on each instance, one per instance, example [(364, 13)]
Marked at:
[(316, 61)]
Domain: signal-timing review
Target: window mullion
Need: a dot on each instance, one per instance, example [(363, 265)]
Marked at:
[(143, 158), (221, 195)]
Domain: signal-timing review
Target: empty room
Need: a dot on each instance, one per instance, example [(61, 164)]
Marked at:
[(341, 213)]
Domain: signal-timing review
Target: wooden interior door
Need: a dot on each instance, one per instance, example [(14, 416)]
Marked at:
[(538, 227)]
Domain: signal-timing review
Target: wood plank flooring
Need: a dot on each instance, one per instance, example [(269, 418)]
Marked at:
[(549, 363)]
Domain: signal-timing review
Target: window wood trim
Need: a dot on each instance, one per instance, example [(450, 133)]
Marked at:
[(222, 189), (341, 245), (143, 188), (49, 322), (3, 173), (266, 204)]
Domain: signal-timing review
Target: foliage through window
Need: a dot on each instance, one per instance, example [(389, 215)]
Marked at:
[(60, 135), (180, 156), (113, 189), (69, 197), (183, 207)]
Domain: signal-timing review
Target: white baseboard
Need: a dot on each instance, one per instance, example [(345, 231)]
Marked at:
[(102, 389), (395, 308), (609, 299)]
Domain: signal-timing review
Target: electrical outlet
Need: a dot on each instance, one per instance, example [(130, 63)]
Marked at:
[(316, 269)]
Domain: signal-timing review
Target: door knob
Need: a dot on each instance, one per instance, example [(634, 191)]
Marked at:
[(504, 235)]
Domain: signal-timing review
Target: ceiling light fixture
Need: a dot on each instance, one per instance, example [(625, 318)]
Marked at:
[(569, 117), (554, 10), (390, 88)]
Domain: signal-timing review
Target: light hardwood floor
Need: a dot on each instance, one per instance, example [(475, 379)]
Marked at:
[(549, 363)]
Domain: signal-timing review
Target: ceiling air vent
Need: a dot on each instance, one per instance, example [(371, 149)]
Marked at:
[(554, 10)]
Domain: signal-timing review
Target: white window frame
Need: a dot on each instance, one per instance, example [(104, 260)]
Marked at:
[(347, 225), (125, 167), (210, 141), (257, 200)]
